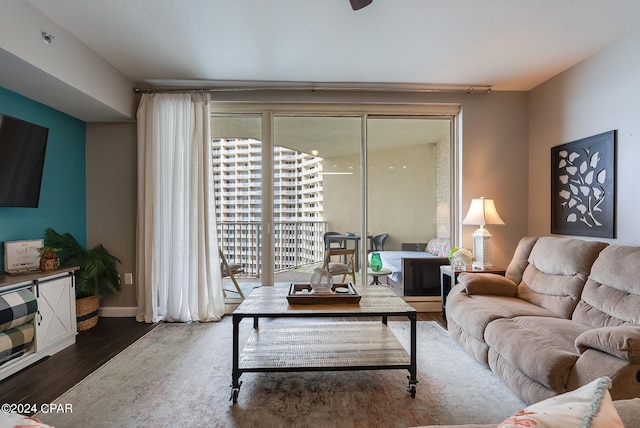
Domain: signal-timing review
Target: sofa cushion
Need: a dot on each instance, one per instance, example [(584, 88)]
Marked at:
[(557, 271), (528, 344), (474, 312), (612, 294), (520, 259), (14, 342), (17, 308), (587, 406)]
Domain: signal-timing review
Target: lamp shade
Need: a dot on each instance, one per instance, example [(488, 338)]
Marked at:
[(482, 211)]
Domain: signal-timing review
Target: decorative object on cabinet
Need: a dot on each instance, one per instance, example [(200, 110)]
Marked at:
[(22, 256), (583, 185), (49, 258), (96, 278)]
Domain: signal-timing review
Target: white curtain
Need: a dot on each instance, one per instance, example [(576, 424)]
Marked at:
[(178, 266)]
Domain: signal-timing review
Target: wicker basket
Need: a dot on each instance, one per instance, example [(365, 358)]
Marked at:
[(87, 312)]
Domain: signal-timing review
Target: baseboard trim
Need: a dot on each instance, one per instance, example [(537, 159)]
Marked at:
[(128, 312), (118, 311)]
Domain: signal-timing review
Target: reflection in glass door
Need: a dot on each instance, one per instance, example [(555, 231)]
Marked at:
[(316, 178), (408, 179), (237, 166)]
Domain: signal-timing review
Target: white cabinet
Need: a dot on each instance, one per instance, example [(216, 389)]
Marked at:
[(56, 318)]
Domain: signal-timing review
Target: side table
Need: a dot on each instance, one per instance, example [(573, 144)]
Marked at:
[(449, 278), (375, 275)]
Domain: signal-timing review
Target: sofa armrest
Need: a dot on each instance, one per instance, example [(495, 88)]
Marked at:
[(620, 341), (487, 283)]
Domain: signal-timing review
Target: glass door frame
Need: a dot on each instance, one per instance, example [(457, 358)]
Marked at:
[(268, 111)]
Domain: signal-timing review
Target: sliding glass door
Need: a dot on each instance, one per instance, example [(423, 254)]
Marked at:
[(409, 178), (316, 174), (237, 163), (288, 174)]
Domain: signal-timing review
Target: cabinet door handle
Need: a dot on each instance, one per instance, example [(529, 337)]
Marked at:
[(39, 318)]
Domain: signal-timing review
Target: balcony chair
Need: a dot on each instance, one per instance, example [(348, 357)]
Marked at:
[(330, 242), (339, 268), (230, 271), (378, 242)]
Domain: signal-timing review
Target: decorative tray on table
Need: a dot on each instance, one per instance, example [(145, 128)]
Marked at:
[(302, 294)]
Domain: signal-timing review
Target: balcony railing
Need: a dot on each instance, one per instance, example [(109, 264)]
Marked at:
[(297, 243)]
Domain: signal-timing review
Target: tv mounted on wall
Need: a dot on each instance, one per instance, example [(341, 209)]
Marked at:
[(22, 149)]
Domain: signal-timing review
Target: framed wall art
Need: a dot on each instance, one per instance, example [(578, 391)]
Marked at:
[(583, 187)]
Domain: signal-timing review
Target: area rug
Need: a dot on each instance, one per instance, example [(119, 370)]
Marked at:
[(179, 375)]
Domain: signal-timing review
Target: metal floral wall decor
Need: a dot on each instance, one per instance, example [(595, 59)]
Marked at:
[(583, 186)]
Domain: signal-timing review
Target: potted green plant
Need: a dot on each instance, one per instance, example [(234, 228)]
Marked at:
[(49, 258), (96, 278)]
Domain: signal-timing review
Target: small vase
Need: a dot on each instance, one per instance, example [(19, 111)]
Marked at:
[(458, 265), (375, 264), (321, 281), (49, 264)]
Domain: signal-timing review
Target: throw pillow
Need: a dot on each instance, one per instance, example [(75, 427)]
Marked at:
[(589, 406), (439, 247), (17, 420)]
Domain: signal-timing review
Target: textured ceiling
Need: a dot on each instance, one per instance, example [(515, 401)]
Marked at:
[(508, 44)]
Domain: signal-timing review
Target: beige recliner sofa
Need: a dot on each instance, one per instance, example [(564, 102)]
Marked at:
[(566, 312)]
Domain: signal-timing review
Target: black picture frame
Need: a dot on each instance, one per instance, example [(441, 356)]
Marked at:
[(583, 187)]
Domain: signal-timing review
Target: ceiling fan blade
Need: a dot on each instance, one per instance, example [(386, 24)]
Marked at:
[(359, 4)]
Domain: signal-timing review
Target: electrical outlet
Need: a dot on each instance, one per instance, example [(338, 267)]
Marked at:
[(128, 278)]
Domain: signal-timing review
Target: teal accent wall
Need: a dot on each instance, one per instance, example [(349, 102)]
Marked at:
[(63, 193)]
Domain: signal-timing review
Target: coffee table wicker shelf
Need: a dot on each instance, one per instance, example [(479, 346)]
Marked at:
[(308, 347)]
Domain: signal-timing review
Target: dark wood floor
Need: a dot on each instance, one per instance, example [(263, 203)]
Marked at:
[(46, 380), (49, 378)]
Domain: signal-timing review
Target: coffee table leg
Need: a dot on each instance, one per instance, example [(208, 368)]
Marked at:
[(413, 370), (235, 374)]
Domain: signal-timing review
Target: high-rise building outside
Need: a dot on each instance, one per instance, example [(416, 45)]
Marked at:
[(297, 205)]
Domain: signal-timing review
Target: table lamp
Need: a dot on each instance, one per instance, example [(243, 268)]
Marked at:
[(481, 212)]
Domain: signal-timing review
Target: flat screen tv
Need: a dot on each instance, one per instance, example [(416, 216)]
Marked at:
[(22, 149)]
